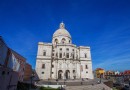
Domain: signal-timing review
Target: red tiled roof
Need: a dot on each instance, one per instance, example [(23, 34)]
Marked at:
[(99, 69), (127, 72)]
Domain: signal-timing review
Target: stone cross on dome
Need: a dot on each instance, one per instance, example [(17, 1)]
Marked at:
[(62, 25)]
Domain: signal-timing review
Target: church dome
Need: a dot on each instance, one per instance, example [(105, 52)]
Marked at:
[(61, 31)]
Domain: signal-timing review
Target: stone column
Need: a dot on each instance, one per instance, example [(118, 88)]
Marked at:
[(64, 69), (71, 70), (56, 72)]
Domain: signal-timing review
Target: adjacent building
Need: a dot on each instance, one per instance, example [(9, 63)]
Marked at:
[(127, 72), (99, 73), (11, 59), (8, 79), (62, 59), (12, 66), (27, 72)]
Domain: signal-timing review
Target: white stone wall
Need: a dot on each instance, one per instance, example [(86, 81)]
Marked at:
[(68, 40), (63, 67), (44, 73), (64, 63), (86, 73)]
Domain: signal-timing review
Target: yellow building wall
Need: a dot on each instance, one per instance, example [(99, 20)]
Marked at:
[(99, 72)]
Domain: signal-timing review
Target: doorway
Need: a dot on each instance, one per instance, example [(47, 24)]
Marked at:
[(67, 74), (60, 74)]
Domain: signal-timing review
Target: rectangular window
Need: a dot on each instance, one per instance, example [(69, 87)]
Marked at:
[(42, 72), (60, 49), (52, 66), (60, 55), (43, 66), (44, 53), (73, 56), (86, 66), (85, 55), (67, 55), (67, 49)]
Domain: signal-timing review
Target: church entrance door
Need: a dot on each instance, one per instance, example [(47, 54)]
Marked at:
[(60, 74), (67, 74)]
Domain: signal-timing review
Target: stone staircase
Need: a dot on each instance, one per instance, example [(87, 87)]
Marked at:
[(89, 87)]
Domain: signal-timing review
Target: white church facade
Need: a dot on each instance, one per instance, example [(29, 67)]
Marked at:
[(63, 60)]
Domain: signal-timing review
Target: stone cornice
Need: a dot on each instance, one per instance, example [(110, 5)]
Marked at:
[(61, 59)]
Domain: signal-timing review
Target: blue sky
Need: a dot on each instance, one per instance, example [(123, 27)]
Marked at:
[(104, 25)]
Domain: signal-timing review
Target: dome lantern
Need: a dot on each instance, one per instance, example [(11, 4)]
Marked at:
[(61, 31), (62, 35), (62, 25)]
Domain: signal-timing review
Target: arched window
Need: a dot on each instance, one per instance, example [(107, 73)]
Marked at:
[(56, 41), (63, 40)]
